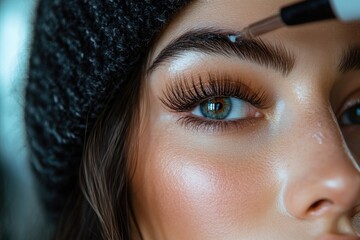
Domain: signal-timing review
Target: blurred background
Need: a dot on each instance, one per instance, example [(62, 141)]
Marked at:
[(20, 213)]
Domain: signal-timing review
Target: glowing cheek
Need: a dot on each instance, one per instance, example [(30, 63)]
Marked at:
[(191, 195), (211, 199)]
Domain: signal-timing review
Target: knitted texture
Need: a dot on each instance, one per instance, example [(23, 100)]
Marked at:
[(81, 53)]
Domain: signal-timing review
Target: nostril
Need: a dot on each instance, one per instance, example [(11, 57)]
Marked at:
[(319, 207)]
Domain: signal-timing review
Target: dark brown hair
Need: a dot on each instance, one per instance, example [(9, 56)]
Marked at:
[(100, 207)]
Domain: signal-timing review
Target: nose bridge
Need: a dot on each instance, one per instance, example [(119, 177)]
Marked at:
[(326, 136), (323, 176)]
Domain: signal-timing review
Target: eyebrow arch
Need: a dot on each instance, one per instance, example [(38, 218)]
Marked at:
[(215, 42), (350, 60)]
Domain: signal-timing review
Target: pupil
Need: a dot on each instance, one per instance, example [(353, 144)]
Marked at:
[(216, 108)]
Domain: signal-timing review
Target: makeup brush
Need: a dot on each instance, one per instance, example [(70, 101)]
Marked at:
[(300, 13)]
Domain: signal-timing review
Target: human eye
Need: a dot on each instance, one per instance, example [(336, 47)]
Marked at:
[(348, 117), (216, 102), (350, 113), (351, 116), (225, 108)]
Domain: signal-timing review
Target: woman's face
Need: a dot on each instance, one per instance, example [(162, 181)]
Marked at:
[(249, 140)]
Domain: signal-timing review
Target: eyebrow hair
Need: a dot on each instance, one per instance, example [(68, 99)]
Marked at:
[(350, 60), (215, 41)]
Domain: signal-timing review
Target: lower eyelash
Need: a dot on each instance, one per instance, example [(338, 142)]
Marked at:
[(198, 124)]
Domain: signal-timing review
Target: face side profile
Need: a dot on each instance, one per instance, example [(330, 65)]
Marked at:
[(251, 140)]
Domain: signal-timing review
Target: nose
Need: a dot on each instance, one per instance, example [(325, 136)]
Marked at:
[(323, 178)]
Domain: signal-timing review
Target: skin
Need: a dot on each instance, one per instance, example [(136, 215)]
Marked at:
[(289, 174)]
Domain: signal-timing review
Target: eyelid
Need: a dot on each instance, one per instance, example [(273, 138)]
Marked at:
[(183, 93)]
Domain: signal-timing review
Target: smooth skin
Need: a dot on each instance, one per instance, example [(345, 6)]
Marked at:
[(288, 174)]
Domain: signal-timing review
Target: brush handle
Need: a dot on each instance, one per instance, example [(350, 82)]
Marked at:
[(317, 10), (307, 11)]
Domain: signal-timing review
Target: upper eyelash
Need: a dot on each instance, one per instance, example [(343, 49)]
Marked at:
[(182, 96)]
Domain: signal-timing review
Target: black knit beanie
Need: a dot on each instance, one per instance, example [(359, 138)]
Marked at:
[(82, 52)]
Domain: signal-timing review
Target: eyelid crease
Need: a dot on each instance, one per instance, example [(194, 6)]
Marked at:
[(182, 96)]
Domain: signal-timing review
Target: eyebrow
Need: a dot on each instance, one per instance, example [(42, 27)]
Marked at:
[(350, 60), (216, 42)]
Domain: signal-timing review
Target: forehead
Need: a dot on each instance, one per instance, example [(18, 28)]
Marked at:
[(236, 14)]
